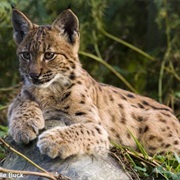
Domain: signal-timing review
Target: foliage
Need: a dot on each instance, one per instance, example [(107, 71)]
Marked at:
[(3, 132), (149, 26), (141, 166), (144, 166)]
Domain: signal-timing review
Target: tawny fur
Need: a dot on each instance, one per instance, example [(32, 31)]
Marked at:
[(56, 87)]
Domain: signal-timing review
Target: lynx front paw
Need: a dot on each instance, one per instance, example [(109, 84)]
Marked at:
[(72, 140), (25, 130), (50, 143), (25, 121)]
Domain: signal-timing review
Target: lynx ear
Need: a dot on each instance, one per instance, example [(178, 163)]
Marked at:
[(68, 25), (21, 25)]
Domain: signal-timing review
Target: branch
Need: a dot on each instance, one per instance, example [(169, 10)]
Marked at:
[(123, 165), (166, 55), (10, 88), (141, 157), (3, 107), (20, 154), (110, 68), (44, 174), (127, 45)]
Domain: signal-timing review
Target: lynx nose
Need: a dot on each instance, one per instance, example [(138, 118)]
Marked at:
[(34, 76)]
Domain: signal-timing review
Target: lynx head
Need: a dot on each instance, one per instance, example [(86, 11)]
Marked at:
[(47, 53)]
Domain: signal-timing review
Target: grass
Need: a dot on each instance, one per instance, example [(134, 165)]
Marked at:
[(139, 165), (3, 133)]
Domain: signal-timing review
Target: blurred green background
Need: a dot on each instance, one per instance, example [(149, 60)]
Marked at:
[(111, 31)]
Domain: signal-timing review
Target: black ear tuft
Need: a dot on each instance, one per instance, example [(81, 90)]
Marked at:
[(69, 6), (21, 25), (68, 25), (13, 6)]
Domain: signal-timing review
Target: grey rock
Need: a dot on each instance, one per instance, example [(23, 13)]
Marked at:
[(75, 167)]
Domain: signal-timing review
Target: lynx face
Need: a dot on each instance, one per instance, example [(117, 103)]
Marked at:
[(45, 52)]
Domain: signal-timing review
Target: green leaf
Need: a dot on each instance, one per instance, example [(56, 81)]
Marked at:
[(140, 168), (178, 160), (139, 145), (177, 94), (3, 130)]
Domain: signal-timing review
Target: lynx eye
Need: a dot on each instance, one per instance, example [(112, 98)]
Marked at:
[(26, 55), (49, 55)]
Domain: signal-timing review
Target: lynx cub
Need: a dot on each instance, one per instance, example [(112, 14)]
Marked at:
[(55, 87)]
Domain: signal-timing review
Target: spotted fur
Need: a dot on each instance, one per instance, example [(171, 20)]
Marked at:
[(55, 86)]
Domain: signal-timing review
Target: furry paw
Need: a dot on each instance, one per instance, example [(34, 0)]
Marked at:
[(50, 143), (25, 121), (25, 130), (73, 140)]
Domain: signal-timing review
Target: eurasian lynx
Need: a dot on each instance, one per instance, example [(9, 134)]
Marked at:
[(56, 86)]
